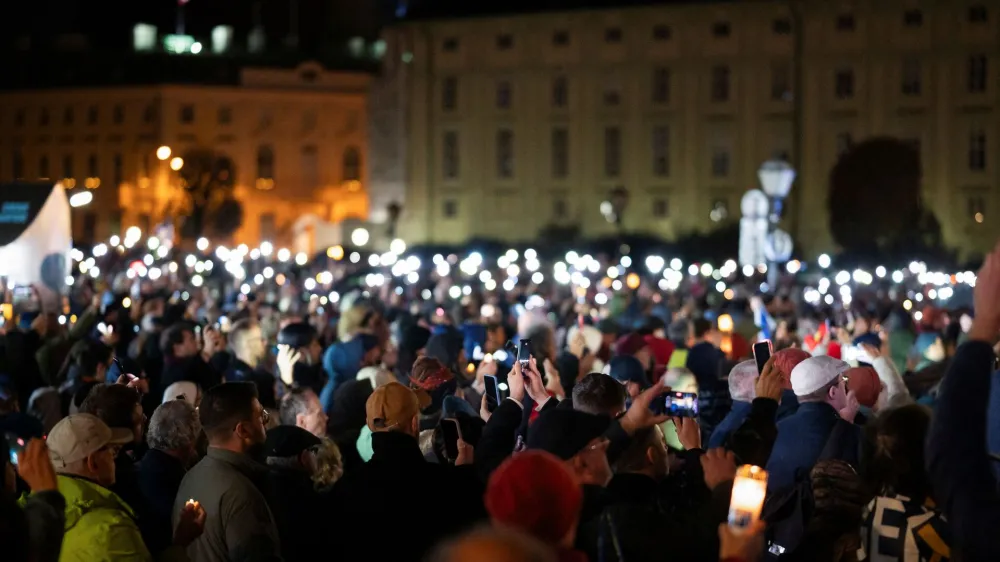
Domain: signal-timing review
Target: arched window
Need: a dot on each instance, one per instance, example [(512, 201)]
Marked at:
[(352, 164), (265, 162)]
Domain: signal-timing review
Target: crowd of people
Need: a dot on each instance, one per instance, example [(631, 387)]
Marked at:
[(155, 427)]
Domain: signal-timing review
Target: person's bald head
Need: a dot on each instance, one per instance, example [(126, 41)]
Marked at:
[(494, 545)]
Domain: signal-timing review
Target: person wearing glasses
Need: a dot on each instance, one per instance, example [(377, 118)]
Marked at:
[(821, 427), (239, 523)]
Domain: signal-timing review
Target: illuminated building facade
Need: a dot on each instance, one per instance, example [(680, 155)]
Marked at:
[(500, 126)]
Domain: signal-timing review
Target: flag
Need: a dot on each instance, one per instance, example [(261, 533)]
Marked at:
[(35, 236)]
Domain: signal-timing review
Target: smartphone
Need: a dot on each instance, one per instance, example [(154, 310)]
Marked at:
[(761, 353), (524, 355), (492, 392), (452, 433), (681, 404), (15, 445)]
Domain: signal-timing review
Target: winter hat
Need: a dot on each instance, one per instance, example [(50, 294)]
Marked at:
[(535, 492), (626, 369), (742, 379), (815, 373), (662, 349), (786, 360), (630, 344), (865, 383)]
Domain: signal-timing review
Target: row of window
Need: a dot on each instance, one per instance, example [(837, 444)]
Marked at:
[(186, 115), (351, 165), (913, 18), (911, 85), (659, 153)]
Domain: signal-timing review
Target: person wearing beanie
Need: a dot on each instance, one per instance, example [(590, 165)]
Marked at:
[(785, 361), (400, 479), (825, 404), (412, 345), (536, 493), (629, 372), (741, 389)]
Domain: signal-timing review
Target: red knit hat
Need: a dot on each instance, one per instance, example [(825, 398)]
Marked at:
[(662, 349), (535, 492), (786, 360), (865, 383)]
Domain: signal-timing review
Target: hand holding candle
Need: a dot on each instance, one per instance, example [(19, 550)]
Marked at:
[(749, 491)]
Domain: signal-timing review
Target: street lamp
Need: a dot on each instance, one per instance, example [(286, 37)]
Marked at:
[(776, 177)]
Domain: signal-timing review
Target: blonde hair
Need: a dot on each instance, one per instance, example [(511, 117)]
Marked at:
[(329, 465), (350, 321)]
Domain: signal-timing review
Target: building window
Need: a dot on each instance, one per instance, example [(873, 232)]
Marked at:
[(720, 84), (449, 93), (845, 22), (977, 150), (661, 151), (721, 29), (911, 85), (225, 115), (449, 155), (844, 143), (781, 81), (450, 45), (559, 208), (19, 118), (719, 211), (612, 96), (720, 162), (977, 74), (117, 170), (43, 167), (310, 165), (843, 87), (352, 164), (265, 162), (913, 18), (560, 92), (661, 208), (43, 117), (661, 86), (661, 32), (612, 152), (118, 114), (450, 209), (977, 209), (149, 114), (505, 153), (613, 35), (978, 14), (781, 26), (68, 116), (67, 166), (505, 41), (92, 168), (560, 38), (503, 94), (560, 153), (187, 114), (92, 115)]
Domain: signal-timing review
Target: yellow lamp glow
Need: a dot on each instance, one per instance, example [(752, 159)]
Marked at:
[(163, 152), (749, 489)]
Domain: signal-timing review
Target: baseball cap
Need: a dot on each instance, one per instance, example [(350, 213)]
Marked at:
[(865, 383), (391, 406), (565, 432), (815, 373), (287, 441), (78, 436)]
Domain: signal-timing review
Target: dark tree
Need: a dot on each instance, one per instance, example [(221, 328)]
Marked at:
[(876, 210), (209, 180)]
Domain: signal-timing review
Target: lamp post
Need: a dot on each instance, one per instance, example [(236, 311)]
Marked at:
[(776, 177)]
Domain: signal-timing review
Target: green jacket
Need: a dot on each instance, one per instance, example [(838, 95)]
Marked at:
[(99, 525)]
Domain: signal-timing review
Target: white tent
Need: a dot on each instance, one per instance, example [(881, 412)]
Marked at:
[(35, 236)]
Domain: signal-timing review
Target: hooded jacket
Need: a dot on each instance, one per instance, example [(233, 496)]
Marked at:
[(99, 525)]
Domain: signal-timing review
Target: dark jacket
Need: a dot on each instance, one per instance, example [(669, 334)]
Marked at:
[(239, 525), (753, 441), (801, 438), (729, 424), (301, 513), (191, 369), (957, 460), (240, 371), (399, 506), (46, 516), (159, 478)]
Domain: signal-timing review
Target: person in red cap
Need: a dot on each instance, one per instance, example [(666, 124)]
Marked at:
[(535, 492)]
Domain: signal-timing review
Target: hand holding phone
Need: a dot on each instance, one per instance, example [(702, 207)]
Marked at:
[(452, 434), (761, 353), (524, 355), (492, 392), (15, 446)]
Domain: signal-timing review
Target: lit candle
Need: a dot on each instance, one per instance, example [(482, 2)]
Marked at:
[(749, 490)]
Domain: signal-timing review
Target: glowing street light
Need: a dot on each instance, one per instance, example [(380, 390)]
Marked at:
[(163, 152), (359, 237), (176, 163)]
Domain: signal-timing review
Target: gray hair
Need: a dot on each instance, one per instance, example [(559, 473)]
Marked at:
[(742, 379), (174, 426)]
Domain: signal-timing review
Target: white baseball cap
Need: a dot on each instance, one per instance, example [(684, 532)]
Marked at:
[(816, 372), (78, 436)]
